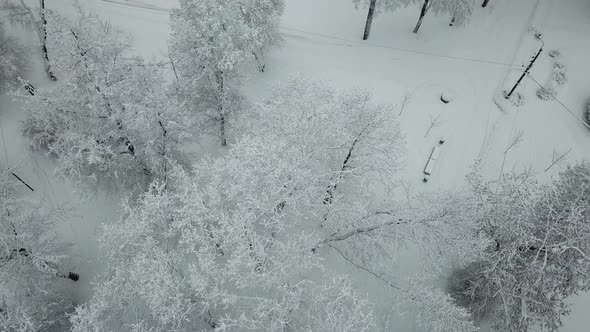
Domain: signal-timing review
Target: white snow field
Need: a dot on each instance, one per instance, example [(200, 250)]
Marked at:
[(322, 40)]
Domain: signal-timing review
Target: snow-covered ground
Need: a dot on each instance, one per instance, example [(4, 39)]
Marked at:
[(322, 41)]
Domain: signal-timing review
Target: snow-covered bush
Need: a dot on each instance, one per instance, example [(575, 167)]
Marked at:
[(31, 298), (559, 74), (540, 255), (12, 61), (109, 118), (546, 93), (557, 80), (517, 99), (554, 54)]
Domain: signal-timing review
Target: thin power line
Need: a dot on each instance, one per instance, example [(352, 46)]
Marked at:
[(401, 49), (444, 56), (138, 5)]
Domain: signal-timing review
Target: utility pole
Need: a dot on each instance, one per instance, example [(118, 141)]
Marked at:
[(528, 68)]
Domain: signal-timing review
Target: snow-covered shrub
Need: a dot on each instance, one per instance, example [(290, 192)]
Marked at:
[(559, 74), (557, 80), (546, 93), (109, 118), (554, 54), (539, 257), (516, 99), (30, 255)]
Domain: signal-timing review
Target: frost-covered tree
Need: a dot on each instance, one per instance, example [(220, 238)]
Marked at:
[(12, 61), (23, 13), (30, 256), (183, 259), (540, 255), (459, 10), (262, 16), (210, 41), (110, 117), (239, 243), (352, 145)]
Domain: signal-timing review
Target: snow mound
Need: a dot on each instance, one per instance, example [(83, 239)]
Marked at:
[(447, 96)]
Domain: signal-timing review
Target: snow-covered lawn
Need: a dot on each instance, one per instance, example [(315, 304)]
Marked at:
[(322, 41)]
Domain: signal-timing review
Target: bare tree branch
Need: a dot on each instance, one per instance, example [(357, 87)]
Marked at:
[(433, 123), (557, 158)]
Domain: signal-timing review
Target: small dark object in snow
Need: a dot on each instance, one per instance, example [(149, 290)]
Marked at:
[(425, 179), (73, 276), (441, 141)]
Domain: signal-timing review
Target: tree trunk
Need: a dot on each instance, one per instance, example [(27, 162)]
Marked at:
[(163, 152), (222, 127), (44, 41), (259, 60), (422, 14), (220, 108), (42, 33), (485, 3), (369, 19)]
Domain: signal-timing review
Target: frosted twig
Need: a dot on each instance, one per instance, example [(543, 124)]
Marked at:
[(433, 123), (557, 158), (406, 189), (404, 102), (374, 274), (513, 143)]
